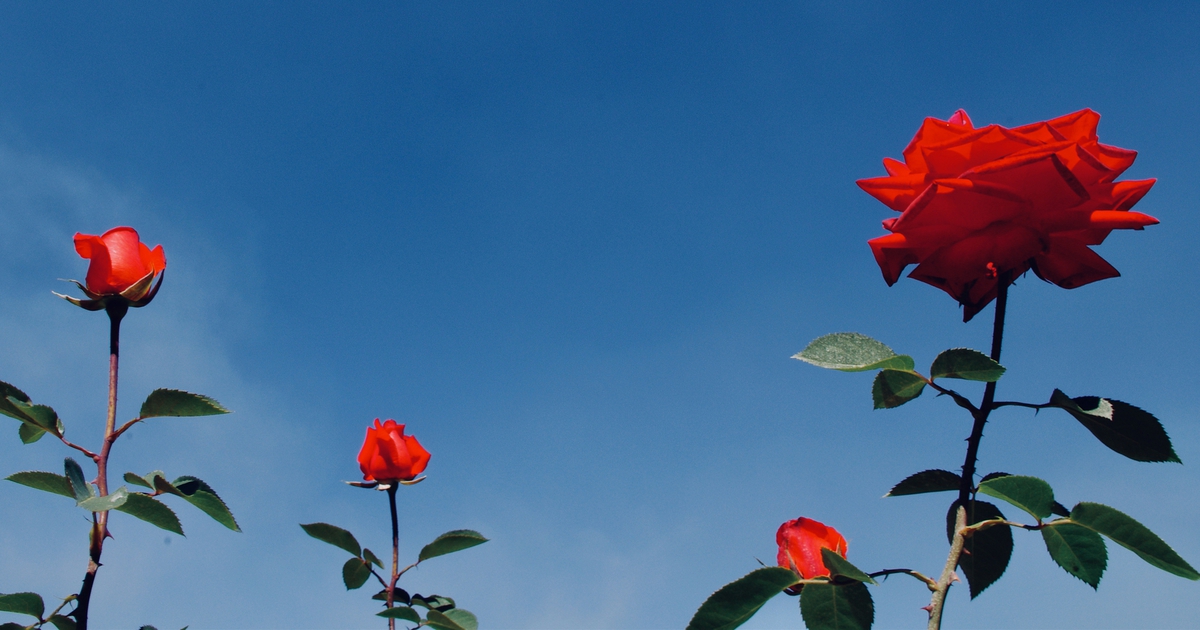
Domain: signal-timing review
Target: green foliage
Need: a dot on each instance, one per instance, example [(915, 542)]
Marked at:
[(1120, 426), (986, 552), (29, 433), (450, 542), (62, 622), (355, 573), (736, 602), (79, 487), (8, 394), (45, 481), (927, 481), (152, 511), (1132, 535), (830, 607), (1077, 549), (400, 612), (110, 501), (335, 536), (893, 388), (966, 364), (176, 403), (23, 604), (201, 495), (450, 620), (1028, 493), (432, 602), (372, 558), (40, 416), (852, 352), (841, 569)]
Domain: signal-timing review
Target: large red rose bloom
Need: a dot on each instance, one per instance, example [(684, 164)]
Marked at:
[(979, 206)]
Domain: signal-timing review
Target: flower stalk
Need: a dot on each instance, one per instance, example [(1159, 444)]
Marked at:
[(391, 585)]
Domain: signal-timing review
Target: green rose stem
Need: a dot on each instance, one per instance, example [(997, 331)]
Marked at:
[(116, 309), (391, 587), (980, 415)]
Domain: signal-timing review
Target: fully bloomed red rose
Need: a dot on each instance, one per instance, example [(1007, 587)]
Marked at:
[(979, 205), (800, 543), (389, 455), (121, 265)]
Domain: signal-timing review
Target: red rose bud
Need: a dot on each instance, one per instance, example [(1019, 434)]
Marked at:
[(122, 267), (981, 205), (800, 543), (389, 455)]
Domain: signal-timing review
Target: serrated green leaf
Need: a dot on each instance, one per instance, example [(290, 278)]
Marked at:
[(160, 483), (62, 622), (985, 553), (201, 495), (927, 481), (1028, 493), (23, 604), (966, 364), (29, 433), (82, 490), (829, 607), (372, 558), (335, 536), (1120, 426), (355, 573), (400, 612), (1132, 535), (1077, 549), (152, 511), (137, 481), (111, 501), (450, 542), (735, 603), (400, 596), (8, 625), (6, 407), (432, 602), (40, 415), (893, 388), (177, 403), (464, 618), (840, 567), (441, 621), (45, 481), (852, 352)]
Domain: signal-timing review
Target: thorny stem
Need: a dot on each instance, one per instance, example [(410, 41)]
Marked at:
[(943, 584), (116, 309), (930, 582), (391, 586)]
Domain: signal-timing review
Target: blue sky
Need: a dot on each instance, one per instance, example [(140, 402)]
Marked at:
[(572, 248)]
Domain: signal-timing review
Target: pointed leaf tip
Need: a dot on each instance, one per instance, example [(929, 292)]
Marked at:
[(893, 388), (178, 403), (1122, 427), (450, 542), (335, 536), (852, 352), (927, 481), (966, 364), (735, 603)]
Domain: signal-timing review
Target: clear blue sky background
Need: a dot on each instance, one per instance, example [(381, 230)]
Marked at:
[(572, 247)]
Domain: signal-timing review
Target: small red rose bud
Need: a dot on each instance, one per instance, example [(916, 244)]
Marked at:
[(800, 543), (389, 455), (122, 268)]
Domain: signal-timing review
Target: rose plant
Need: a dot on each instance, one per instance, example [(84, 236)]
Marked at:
[(978, 209), (122, 272), (390, 459)]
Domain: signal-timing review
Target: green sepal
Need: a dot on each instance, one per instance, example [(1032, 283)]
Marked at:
[(372, 558), (200, 494), (152, 511), (852, 352), (451, 541), (841, 570), (830, 607), (82, 490), (927, 481), (447, 621), (1077, 549), (735, 603), (177, 403), (893, 388), (110, 501), (62, 622), (355, 573), (966, 364), (400, 612), (335, 536), (1120, 426), (1132, 535), (1028, 493), (23, 604), (45, 481), (986, 552)]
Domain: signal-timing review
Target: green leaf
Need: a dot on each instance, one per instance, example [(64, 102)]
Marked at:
[(201, 495), (1132, 535), (442, 621), (400, 612), (23, 603), (40, 415), (1028, 493), (355, 573), (464, 618), (1120, 426), (173, 402), (450, 542), (152, 511), (927, 481), (137, 481), (83, 491), (370, 557), (111, 501), (335, 536), (852, 352), (840, 567), (29, 433), (985, 553), (8, 391), (966, 364), (45, 481), (62, 622), (432, 602), (893, 388), (735, 603), (8, 625), (1077, 549), (829, 607), (399, 596)]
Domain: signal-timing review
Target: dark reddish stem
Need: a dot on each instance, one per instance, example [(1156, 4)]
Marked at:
[(989, 395), (116, 309), (391, 587)]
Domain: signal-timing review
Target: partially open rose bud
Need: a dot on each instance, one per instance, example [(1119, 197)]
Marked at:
[(800, 543), (389, 455), (122, 268)]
